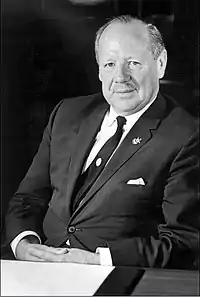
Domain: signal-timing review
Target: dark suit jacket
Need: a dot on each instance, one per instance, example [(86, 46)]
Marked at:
[(144, 225)]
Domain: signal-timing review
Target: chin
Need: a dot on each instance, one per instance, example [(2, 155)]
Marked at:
[(124, 109)]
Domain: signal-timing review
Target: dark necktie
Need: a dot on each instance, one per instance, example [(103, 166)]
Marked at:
[(88, 177)]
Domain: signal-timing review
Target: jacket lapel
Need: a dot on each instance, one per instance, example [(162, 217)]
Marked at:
[(85, 139), (134, 140), (127, 149)]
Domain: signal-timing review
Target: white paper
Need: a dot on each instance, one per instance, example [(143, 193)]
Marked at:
[(21, 278)]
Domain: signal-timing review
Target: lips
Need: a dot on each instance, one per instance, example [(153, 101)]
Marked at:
[(124, 90)]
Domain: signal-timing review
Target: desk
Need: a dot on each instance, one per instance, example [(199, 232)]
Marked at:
[(150, 282), (168, 282), (20, 278)]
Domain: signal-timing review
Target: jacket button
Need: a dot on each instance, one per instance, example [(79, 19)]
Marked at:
[(71, 229)]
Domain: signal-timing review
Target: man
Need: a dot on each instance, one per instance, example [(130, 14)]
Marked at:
[(136, 206)]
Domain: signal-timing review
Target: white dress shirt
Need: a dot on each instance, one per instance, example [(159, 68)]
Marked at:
[(107, 130)]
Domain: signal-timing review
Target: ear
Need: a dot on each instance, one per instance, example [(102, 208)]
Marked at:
[(162, 63), (100, 78)]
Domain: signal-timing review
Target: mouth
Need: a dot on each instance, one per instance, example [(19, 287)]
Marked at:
[(124, 91)]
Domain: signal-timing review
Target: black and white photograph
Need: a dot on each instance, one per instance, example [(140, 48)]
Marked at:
[(100, 148)]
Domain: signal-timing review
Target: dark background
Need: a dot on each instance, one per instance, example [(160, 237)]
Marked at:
[(48, 54)]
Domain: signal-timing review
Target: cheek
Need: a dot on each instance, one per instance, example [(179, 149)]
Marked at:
[(106, 80), (146, 80)]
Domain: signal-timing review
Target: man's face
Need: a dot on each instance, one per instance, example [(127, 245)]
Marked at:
[(127, 70)]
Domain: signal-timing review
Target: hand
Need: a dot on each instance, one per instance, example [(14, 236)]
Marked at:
[(28, 250), (79, 256), (37, 252)]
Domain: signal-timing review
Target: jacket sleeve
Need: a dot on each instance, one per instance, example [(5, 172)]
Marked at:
[(29, 204), (177, 241)]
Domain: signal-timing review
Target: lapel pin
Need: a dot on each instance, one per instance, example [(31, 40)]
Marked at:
[(136, 140)]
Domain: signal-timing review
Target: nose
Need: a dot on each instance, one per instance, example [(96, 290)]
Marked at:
[(121, 74)]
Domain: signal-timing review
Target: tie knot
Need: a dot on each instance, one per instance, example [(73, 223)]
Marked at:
[(121, 121)]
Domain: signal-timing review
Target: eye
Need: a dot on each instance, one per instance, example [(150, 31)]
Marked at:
[(133, 64), (109, 65)]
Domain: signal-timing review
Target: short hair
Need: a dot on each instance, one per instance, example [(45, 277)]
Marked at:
[(156, 45)]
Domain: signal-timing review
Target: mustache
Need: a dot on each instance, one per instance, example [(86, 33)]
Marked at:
[(117, 87)]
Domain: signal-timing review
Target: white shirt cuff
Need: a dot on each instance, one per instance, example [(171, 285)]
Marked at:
[(105, 256), (19, 237)]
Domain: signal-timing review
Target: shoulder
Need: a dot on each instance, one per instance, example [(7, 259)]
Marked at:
[(178, 119), (72, 107), (71, 111)]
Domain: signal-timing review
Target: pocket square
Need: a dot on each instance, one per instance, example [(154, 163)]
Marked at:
[(138, 181)]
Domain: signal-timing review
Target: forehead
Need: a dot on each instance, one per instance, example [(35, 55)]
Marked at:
[(126, 36)]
